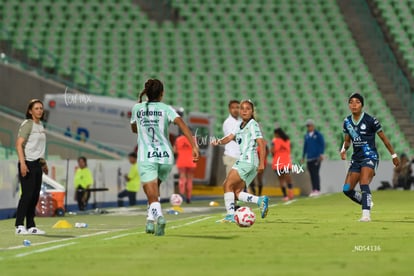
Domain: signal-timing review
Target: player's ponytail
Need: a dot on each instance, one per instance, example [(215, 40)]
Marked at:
[(141, 95)]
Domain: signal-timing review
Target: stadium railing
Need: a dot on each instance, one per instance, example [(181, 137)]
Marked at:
[(31, 57), (386, 55), (99, 146)]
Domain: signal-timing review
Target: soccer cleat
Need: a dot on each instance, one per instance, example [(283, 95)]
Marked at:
[(263, 205), (365, 219), (161, 222), (285, 199), (291, 195), (21, 230), (149, 227), (35, 231), (227, 219)]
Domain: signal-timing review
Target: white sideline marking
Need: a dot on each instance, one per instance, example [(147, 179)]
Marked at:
[(121, 236), (289, 202), (44, 249), (190, 223), (172, 227), (66, 239)]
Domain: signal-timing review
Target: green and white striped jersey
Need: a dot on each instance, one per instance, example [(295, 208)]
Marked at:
[(152, 120), (246, 138)]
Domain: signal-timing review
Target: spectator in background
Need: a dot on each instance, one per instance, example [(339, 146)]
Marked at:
[(282, 163), (313, 149), (185, 166), (402, 177), (231, 149), (132, 182), (83, 180)]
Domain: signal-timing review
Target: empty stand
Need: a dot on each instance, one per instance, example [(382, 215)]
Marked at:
[(294, 59)]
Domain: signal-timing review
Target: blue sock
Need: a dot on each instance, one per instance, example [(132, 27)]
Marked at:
[(366, 197), (352, 194)]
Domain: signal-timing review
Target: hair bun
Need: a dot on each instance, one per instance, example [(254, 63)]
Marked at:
[(149, 83)]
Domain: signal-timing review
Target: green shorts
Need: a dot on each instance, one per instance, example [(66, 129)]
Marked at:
[(247, 171), (150, 171)]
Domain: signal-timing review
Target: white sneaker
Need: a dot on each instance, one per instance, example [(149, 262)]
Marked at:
[(365, 219), (35, 231), (314, 193), (21, 230)]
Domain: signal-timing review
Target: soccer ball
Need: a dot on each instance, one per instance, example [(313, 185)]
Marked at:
[(244, 217), (176, 200)]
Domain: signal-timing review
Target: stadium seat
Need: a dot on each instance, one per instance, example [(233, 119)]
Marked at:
[(294, 59)]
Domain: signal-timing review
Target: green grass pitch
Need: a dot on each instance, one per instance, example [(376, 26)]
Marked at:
[(310, 236)]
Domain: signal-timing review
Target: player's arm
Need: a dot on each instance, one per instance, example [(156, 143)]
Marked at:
[(223, 140), (345, 146), (20, 153), (134, 128), (262, 154), (303, 151), (389, 147), (322, 144), (187, 133)]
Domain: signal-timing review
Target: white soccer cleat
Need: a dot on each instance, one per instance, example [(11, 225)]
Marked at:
[(21, 230), (35, 231), (365, 219)]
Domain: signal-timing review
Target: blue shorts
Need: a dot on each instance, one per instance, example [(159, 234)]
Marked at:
[(247, 171), (150, 171), (356, 165)]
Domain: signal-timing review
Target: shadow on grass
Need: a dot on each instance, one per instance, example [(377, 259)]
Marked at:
[(212, 237)]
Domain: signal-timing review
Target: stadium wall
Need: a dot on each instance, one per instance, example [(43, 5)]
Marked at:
[(18, 86), (106, 176)]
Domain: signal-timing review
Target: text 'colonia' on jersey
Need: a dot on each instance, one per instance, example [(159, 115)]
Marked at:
[(148, 113)]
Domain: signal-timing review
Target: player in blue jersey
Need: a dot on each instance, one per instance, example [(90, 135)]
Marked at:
[(248, 136), (150, 120), (360, 128)]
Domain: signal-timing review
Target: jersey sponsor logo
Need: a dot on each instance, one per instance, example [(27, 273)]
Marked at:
[(357, 139), (141, 113), (157, 154), (352, 131)]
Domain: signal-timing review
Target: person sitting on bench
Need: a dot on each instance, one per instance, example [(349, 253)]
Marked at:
[(83, 180), (132, 182)]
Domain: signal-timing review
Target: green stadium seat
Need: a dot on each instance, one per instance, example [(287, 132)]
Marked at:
[(290, 57)]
